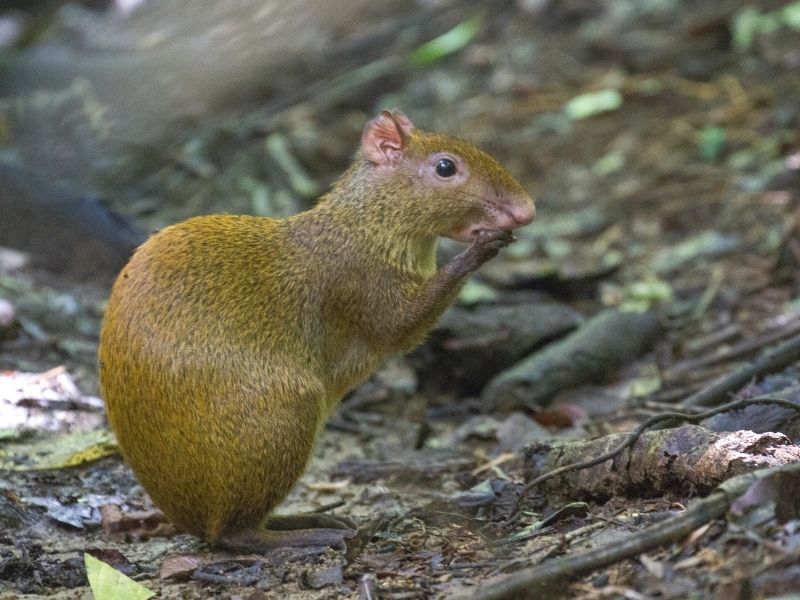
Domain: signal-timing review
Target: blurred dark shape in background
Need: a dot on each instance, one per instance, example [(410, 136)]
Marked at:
[(168, 63), (90, 91), (66, 233)]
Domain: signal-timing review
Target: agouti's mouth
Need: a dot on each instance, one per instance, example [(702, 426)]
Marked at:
[(471, 233), (505, 216), (500, 217), (474, 233)]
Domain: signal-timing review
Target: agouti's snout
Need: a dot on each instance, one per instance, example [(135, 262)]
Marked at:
[(514, 211), (520, 210)]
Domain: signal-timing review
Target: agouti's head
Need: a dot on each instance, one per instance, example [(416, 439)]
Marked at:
[(447, 187)]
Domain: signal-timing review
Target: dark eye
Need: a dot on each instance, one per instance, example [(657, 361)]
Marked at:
[(445, 167)]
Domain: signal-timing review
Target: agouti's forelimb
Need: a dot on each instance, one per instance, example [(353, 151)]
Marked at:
[(438, 292), (229, 339)]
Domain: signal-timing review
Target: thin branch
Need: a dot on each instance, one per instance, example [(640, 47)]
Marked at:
[(543, 581), (737, 351), (774, 359)]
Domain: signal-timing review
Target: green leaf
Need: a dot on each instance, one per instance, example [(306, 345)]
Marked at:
[(593, 103), (791, 15), (710, 142), (746, 25), (475, 292), (644, 386), (708, 244), (447, 43), (610, 163), (109, 584), (652, 290)]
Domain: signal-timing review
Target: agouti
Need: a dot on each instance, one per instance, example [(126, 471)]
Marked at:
[(228, 340)]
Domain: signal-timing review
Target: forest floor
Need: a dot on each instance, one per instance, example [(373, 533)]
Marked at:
[(662, 146)]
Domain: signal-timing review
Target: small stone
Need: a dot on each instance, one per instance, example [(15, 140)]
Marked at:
[(320, 578)]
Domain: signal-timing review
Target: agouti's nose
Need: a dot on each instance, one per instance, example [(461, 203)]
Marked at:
[(521, 210)]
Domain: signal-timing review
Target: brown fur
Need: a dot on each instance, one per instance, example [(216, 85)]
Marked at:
[(229, 339)]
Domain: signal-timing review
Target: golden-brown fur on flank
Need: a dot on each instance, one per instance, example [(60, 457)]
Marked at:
[(229, 339)]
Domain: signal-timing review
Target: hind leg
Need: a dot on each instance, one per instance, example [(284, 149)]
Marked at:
[(297, 531)]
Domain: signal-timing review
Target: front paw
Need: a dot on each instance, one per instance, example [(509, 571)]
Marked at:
[(494, 239), (488, 244)]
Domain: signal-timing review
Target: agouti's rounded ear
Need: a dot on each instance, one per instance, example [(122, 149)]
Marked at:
[(384, 139)]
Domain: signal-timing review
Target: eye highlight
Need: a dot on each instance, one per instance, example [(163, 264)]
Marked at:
[(445, 167)]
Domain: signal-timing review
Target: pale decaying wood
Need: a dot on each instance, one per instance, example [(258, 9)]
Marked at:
[(682, 459)]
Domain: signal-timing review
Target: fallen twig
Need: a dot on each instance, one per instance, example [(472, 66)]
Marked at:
[(735, 352), (540, 581), (774, 359)]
